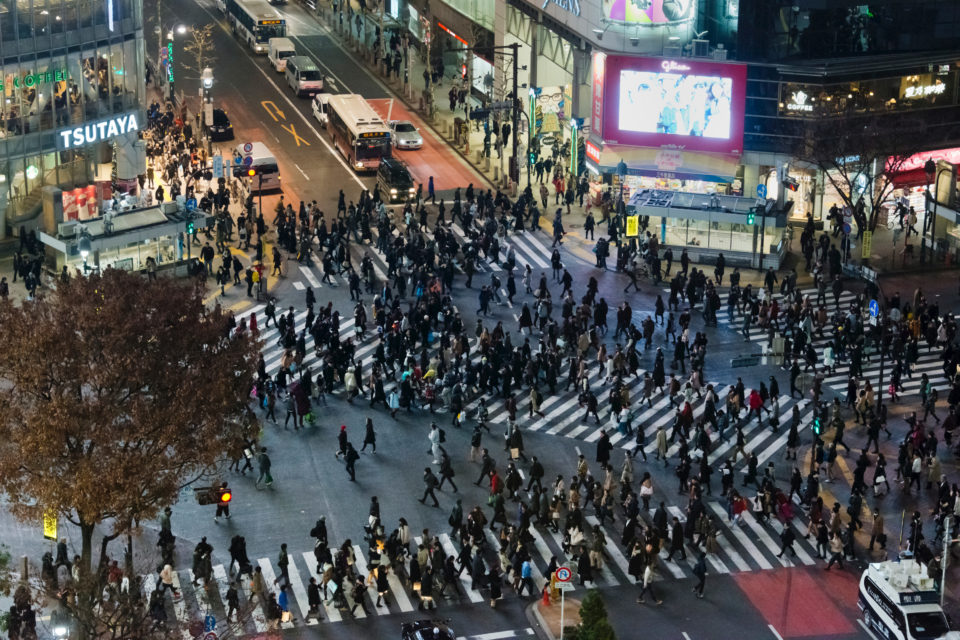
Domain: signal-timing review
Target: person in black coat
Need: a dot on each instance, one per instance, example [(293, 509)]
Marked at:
[(313, 600), (604, 447)]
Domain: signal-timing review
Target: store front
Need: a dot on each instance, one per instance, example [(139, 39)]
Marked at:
[(125, 240), (52, 95)]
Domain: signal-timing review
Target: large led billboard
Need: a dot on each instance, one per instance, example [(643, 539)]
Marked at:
[(688, 104)]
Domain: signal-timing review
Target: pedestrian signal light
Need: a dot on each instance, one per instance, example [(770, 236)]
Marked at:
[(533, 158), (750, 217), (190, 226), (817, 427), (225, 496)]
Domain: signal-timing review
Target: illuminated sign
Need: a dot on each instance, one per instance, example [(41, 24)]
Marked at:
[(596, 123), (799, 101), (924, 91), (573, 6), (452, 34), (374, 135), (31, 80), (170, 62), (593, 152), (265, 22), (671, 65), (97, 131), (693, 105)]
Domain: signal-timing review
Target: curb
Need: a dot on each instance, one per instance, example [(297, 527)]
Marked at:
[(357, 57), (539, 625)]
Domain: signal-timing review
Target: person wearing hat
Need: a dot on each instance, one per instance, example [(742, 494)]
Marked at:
[(342, 441)]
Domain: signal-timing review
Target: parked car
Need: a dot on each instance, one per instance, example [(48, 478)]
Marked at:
[(220, 129)]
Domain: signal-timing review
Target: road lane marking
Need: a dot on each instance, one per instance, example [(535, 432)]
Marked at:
[(283, 95), (301, 171), (296, 137)]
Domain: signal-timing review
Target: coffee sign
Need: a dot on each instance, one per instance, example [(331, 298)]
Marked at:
[(31, 80)]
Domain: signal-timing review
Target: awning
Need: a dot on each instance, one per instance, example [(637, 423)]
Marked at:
[(665, 163)]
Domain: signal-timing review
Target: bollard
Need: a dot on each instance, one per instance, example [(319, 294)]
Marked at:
[(24, 569), (479, 156), (496, 171)]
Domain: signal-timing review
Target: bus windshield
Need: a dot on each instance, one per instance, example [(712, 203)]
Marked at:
[(370, 149), (264, 32), (927, 625)]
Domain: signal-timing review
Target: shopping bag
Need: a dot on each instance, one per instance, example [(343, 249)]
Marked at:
[(514, 453)]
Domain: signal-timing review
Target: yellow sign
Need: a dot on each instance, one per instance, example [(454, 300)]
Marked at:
[(50, 526), (867, 245), (633, 226)]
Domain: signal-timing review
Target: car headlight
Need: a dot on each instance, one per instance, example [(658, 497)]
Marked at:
[(393, 190)]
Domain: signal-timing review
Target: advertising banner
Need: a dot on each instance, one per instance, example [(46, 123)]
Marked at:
[(599, 60), (682, 104)]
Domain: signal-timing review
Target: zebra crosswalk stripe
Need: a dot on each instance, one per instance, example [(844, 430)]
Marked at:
[(465, 578), (300, 592), (333, 614), (271, 579), (742, 538)]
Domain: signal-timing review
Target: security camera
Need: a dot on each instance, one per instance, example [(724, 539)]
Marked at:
[(635, 41)]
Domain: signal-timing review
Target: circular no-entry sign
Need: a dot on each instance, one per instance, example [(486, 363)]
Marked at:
[(563, 574), (247, 147)]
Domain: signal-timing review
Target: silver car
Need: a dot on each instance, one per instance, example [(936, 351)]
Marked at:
[(405, 135)]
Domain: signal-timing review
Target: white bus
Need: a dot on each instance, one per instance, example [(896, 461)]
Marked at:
[(357, 131), (255, 22)]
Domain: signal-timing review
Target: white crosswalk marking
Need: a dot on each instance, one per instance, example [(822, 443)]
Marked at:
[(465, 578), (300, 592), (333, 614), (742, 538), (270, 578), (180, 608), (365, 574), (308, 274)]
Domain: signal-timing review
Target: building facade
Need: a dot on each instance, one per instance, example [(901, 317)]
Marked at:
[(72, 85)]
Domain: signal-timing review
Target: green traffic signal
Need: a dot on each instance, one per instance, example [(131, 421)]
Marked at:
[(190, 226), (816, 426), (533, 158), (750, 218)]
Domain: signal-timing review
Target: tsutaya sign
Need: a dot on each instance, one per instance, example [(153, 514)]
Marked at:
[(97, 131)]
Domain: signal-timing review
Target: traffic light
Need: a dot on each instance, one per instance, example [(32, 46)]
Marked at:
[(817, 426), (533, 157), (224, 496), (751, 217), (213, 495), (190, 226), (251, 172)]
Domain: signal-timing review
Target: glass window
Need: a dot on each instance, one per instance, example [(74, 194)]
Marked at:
[(720, 236), (698, 233), (676, 231), (741, 238)]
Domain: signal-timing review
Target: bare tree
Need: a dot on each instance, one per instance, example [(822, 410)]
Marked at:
[(859, 156), (200, 49)]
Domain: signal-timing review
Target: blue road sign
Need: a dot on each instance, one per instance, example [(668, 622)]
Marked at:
[(217, 166), (209, 623), (761, 191), (874, 308), (191, 204), (247, 161), (237, 160)]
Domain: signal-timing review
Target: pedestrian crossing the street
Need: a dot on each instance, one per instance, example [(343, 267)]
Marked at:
[(928, 361), (749, 546)]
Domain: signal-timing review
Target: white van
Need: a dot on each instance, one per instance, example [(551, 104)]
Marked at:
[(266, 172), (303, 76), (320, 107), (280, 50), (899, 602)]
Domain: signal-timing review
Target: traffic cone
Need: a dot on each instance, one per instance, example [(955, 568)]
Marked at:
[(546, 596)]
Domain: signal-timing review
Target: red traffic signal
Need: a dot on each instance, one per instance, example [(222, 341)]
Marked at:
[(251, 172)]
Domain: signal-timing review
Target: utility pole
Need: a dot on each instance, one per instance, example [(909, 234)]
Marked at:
[(515, 166)]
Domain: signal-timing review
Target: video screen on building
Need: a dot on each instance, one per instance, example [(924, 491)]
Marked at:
[(684, 103), (675, 104)]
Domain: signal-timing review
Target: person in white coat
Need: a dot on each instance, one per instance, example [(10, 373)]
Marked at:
[(434, 438)]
